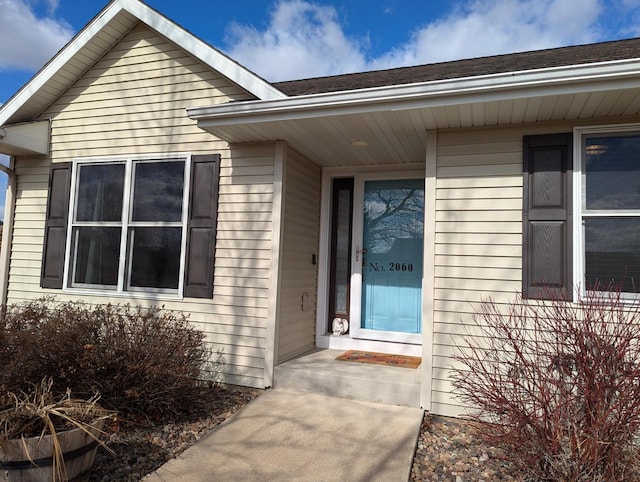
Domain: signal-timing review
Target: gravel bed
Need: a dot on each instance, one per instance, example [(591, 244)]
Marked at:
[(447, 449)]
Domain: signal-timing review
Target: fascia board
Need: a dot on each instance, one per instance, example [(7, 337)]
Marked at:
[(59, 60), (511, 85), (204, 52), (218, 61)]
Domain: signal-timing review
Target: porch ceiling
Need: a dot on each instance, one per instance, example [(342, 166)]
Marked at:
[(393, 127)]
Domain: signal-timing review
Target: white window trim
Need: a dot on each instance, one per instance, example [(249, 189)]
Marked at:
[(122, 289), (70, 254), (578, 185)]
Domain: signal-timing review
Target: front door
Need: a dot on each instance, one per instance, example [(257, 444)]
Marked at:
[(388, 245)]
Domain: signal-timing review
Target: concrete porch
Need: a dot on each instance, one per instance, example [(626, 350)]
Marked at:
[(318, 371)]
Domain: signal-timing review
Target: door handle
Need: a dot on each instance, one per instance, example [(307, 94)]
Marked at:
[(359, 252)]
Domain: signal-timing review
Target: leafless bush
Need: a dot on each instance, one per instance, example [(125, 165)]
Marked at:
[(142, 361), (558, 384)]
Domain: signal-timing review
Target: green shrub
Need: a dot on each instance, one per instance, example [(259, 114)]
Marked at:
[(558, 385), (142, 361)]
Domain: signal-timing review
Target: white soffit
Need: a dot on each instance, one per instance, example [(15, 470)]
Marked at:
[(102, 33), (31, 138), (393, 120)]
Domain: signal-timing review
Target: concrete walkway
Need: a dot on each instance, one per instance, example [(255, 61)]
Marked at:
[(286, 435)]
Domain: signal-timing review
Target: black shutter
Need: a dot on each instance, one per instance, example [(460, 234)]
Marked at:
[(547, 217), (201, 228), (55, 233)]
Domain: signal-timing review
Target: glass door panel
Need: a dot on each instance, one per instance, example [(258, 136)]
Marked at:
[(389, 258), (340, 270)]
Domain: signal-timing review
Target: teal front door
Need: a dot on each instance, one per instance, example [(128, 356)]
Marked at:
[(389, 258)]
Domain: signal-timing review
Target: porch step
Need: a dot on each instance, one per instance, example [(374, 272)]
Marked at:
[(318, 371)]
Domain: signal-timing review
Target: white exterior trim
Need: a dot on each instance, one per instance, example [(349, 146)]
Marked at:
[(202, 51), (322, 297), (271, 346), (28, 138), (7, 229), (356, 264), (346, 343), (578, 199), (324, 339), (428, 270), (122, 289), (511, 85), (58, 62), (185, 40)]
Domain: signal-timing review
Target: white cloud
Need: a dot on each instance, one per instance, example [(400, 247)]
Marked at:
[(303, 39), (306, 39), (28, 41), (487, 27), (52, 6)]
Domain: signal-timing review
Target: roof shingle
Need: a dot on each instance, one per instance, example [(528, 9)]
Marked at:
[(537, 59)]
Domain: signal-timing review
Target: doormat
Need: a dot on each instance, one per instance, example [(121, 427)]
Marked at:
[(381, 359)]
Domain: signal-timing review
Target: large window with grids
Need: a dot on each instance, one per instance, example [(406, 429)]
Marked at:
[(143, 225), (608, 175), (128, 225)]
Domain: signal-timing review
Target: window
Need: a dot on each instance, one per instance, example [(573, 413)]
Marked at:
[(608, 173), (132, 225), (581, 219), (128, 225)]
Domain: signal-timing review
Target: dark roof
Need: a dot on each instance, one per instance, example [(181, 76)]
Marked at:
[(537, 59)]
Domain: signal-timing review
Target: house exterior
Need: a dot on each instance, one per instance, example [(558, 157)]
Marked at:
[(149, 168)]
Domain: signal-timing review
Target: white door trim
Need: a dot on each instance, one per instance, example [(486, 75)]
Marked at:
[(324, 338), (356, 261)]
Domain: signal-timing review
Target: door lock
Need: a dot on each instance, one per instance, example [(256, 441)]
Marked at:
[(359, 252)]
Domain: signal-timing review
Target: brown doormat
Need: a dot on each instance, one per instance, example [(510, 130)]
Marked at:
[(381, 359)]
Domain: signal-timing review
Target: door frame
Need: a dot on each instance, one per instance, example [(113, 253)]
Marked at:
[(357, 228), (324, 339)]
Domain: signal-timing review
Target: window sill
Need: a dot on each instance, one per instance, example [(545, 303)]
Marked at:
[(626, 299), (138, 295)]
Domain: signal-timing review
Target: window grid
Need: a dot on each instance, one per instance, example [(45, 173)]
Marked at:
[(126, 226), (582, 214)]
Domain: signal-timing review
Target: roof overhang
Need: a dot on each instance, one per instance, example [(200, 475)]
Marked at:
[(25, 139), (100, 35), (392, 120)]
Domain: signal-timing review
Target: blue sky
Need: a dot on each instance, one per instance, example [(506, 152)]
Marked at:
[(287, 39)]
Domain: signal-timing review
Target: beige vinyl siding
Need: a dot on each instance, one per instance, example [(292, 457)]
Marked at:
[(133, 102), (478, 239), (301, 227)]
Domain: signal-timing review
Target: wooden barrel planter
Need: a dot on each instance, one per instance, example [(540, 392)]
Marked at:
[(78, 447)]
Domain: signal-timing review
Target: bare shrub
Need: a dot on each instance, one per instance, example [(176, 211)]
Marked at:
[(557, 384), (142, 361)]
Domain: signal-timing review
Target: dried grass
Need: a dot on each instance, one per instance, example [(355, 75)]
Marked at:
[(38, 413)]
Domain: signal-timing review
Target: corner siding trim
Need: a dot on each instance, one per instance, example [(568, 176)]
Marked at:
[(276, 261)]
